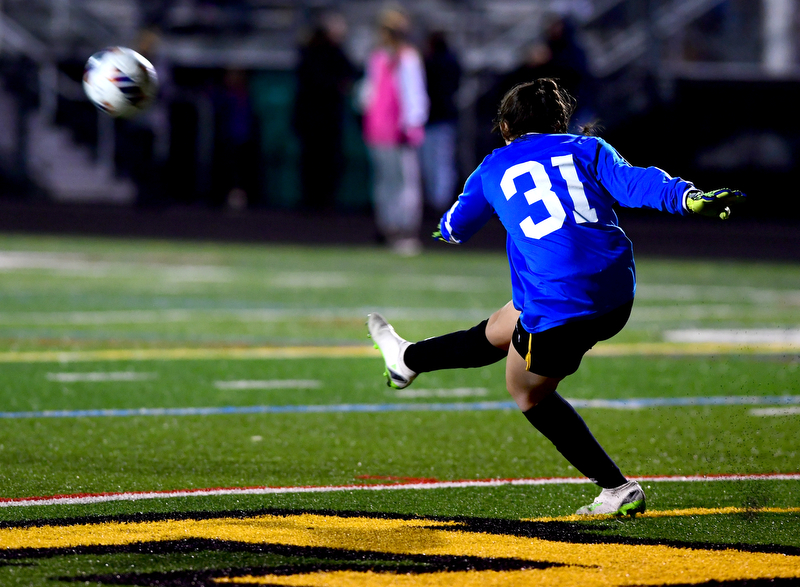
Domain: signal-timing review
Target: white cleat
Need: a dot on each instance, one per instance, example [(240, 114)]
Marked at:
[(392, 347), (627, 499)]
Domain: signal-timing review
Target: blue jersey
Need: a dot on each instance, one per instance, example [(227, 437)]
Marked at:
[(554, 194)]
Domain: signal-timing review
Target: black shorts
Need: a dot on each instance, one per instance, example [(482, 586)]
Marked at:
[(557, 352)]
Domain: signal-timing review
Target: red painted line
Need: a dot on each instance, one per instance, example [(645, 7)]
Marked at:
[(403, 479), (398, 483), (722, 477)]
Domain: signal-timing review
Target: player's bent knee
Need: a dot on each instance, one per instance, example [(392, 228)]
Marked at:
[(500, 326), (526, 398), (526, 388), (541, 391)]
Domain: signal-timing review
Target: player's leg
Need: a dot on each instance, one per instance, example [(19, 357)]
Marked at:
[(483, 344), (387, 186), (554, 417), (551, 352), (407, 209)]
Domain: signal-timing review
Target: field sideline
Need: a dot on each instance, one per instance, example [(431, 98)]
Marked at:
[(207, 414)]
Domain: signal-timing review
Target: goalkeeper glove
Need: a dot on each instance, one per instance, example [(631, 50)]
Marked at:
[(437, 234), (440, 237), (715, 204)]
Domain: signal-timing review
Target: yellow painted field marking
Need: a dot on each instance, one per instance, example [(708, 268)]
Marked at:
[(357, 352), (189, 354), (373, 579), (590, 565)]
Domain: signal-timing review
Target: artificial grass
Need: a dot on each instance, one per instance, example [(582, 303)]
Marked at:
[(80, 294)]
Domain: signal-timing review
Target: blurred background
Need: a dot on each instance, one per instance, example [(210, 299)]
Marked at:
[(255, 93)]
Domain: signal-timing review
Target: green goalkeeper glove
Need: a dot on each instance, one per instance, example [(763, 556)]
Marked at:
[(715, 204), (439, 237)]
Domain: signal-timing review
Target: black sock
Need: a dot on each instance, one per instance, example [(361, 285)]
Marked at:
[(457, 350), (563, 426)]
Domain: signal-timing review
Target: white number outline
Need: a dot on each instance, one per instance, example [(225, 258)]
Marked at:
[(543, 191)]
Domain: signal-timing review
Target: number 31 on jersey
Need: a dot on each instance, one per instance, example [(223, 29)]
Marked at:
[(543, 191)]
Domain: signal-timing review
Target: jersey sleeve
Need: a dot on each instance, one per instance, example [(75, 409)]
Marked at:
[(639, 187), (469, 213)]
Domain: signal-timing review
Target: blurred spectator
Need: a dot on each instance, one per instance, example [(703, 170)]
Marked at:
[(559, 56), (143, 142), (395, 112), (569, 64), (235, 175), (324, 78), (443, 76), (536, 63)]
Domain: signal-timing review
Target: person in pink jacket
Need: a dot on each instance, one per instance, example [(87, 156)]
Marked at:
[(395, 103)]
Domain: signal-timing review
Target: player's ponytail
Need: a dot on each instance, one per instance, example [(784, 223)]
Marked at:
[(540, 106)]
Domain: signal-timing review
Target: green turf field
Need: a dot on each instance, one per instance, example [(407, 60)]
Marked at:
[(133, 367)]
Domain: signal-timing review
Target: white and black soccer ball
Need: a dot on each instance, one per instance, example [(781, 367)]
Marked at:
[(120, 82)]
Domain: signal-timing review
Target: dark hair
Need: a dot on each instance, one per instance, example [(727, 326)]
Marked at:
[(540, 106)]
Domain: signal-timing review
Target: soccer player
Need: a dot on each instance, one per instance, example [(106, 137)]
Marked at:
[(572, 271)]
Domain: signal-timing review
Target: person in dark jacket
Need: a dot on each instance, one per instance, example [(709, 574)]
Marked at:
[(439, 170), (324, 78)]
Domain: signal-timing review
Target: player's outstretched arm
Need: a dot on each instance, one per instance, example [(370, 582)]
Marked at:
[(716, 203), (467, 215)]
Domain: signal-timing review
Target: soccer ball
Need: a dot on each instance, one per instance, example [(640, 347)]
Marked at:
[(120, 82)]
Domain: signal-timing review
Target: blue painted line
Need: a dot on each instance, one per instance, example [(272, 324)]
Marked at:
[(734, 400), (308, 409), (619, 404)]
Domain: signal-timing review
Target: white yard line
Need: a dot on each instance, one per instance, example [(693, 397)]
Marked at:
[(180, 272), (456, 406), (75, 263), (269, 384), (453, 392), (794, 411), (244, 315), (267, 490), (99, 376), (695, 312), (311, 280), (735, 336), (641, 314), (717, 293)]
